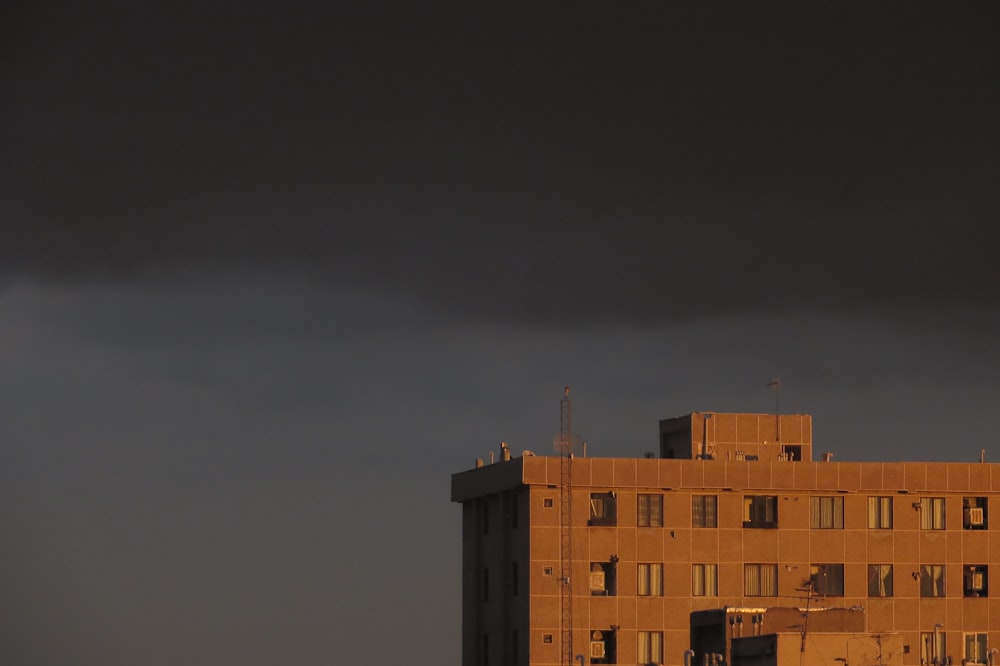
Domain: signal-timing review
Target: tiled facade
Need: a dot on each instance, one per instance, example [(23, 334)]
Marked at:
[(653, 539)]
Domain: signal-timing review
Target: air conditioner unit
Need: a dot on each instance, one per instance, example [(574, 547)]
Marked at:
[(597, 581), (974, 516), (597, 649), (974, 581)]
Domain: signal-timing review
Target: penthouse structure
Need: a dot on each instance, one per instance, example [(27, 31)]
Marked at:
[(733, 515)]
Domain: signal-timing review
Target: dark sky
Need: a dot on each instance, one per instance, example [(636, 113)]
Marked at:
[(268, 276)]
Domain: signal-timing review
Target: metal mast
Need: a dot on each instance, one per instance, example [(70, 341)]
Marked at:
[(565, 524)]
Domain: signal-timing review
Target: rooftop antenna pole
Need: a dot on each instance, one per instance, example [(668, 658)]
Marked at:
[(775, 385), (565, 526)]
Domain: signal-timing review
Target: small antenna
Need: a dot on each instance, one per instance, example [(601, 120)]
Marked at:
[(775, 385)]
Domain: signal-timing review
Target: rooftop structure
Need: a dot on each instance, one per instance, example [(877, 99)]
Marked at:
[(734, 514)]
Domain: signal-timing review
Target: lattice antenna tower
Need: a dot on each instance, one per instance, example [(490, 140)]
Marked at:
[(564, 446)]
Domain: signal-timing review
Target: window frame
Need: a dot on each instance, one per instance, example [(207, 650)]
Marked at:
[(760, 511), (929, 573), (930, 651), (981, 640), (603, 509), (832, 573), (833, 518), (764, 571), (932, 513), (704, 576), (649, 647), (972, 503), (705, 511), (969, 588), (649, 579), (649, 509), (879, 515), (877, 578)]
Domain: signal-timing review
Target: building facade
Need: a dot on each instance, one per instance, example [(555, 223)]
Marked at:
[(733, 513)]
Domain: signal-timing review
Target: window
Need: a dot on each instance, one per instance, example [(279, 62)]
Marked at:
[(650, 647), (975, 649), (602, 579), (603, 509), (486, 650), (932, 580), (705, 510), (879, 580), (880, 513), (650, 580), (974, 513), (704, 580), (484, 515), (486, 584), (513, 578), (932, 513), (760, 511), (547, 503), (760, 580), (975, 581), (513, 647), (826, 512), (602, 647), (650, 510), (932, 647), (827, 579), (546, 638), (513, 512)]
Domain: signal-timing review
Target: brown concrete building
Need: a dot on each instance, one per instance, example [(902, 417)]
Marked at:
[(734, 513)]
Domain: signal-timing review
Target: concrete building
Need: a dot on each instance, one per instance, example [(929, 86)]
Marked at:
[(734, 513)]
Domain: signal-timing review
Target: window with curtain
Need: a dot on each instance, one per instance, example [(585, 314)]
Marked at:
[(879, 580), (760, 580), (932, 513), (650, 647), (976, 651), (650, 579), (650, 510), (932, 580), (760, 511), (880, 513), (704, 510), (704, 580), (827, 579), (826, 512), (932, 647)]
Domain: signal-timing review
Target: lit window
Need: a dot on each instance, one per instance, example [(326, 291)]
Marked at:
[(932, 580), (602, 579), (974, 513), (826, 512), (760, 511), (975, 580), (880, 513), (650, 510), (705, 510), (975, 648), (603, 509), (760, 580), (879, 580), (827, 579), (704, 580), (932, 513), (650, 580), (650, 647)]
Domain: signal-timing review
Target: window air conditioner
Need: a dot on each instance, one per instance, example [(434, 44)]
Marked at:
[(597, 581), (974, 516), (597, 649)]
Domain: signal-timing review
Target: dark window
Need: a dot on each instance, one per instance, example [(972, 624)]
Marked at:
[(704, 511), (513, 647), (974, 513), (603, 509), (486, 650), (827, 579), (650, 510), (486, 584), (879, 580), (760, 511), (976, 581), (603, 579), (513, 578), (484, 514), (547, 502), (513, 512), (602, 647)]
